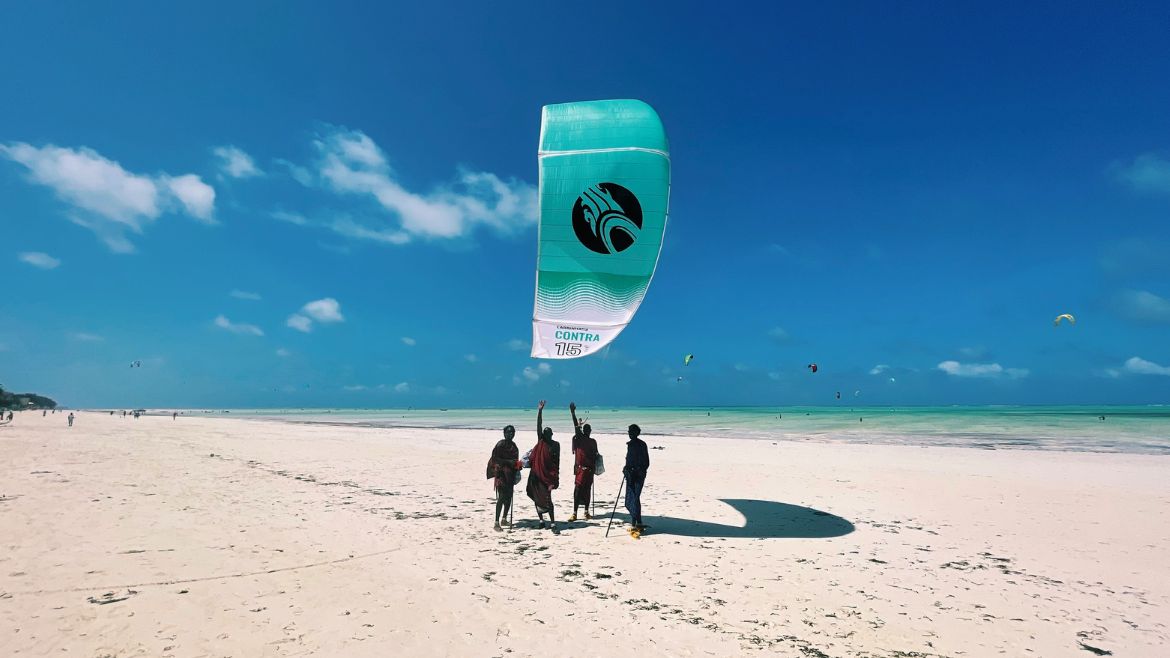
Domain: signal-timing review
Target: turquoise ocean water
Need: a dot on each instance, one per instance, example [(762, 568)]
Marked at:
[(1133, 429)]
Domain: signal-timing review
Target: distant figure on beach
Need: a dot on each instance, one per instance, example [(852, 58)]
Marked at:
[(504, 466), (584, 462), (637, 463), (123, 413), (44, 412), (70, 419), (10, 416), (174, 415), (544, 473)]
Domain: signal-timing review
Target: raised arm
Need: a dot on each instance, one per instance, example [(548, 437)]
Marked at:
[(539, 419), (573, 413)]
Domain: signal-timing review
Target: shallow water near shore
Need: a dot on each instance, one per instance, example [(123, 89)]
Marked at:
[(1128, 429)]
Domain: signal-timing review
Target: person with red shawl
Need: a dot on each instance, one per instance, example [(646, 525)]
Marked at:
[(584, 461), (544, 471), (504, 467)]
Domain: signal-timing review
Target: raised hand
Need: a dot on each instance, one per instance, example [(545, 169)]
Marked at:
[(572, 406), (540, 405)]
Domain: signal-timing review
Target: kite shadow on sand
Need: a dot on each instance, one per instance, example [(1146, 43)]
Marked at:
[(765, 519)]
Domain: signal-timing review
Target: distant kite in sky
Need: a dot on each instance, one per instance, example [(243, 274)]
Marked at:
[(1064, 316), (813, 367), (687, 359)]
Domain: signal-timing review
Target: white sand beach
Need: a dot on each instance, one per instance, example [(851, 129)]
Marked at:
[(225, 537)]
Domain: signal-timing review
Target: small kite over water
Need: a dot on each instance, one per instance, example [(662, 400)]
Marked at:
[(687, 359), (813, 367), (1064, 316)]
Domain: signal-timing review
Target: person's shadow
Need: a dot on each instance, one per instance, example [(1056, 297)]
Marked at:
[(764, 519)]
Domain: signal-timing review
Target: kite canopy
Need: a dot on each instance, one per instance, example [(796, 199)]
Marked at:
[(1064, 316), (813, 367), (604, 188), (687, 359)]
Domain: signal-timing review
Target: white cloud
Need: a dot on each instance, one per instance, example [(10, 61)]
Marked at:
[(351, 229), (402, 387), (290, 217), (471, 358), (1143, 306), (565, 383), (1147, 173), (197, 197), (774, 376), (281, 352), (532, 374), (325, 310), (354, 387), (407, 340), (85, 337), (237, 328), (778, 334), (243, 294), (107, 199), (299, 322), (517, 345), (352, 163), (235, 163), (985, 370), (739, 367), (878, 369), (1140, 366), (39, 259)]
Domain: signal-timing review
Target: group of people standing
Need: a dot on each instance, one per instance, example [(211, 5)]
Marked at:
[(543, 463)]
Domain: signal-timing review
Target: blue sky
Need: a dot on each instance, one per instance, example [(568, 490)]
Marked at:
[(294, 204)]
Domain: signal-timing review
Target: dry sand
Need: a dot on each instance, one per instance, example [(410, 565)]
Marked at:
[(226, 537)]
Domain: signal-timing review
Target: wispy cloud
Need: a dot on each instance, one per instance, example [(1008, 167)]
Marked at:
[(290, 217), (325, 311), (299, 322), (354, 387), (351, 163), (532, 374), (1146, 173), (470, 358), (778, 334), (983, 370), (1139, 366), (878, 369), (39, 259), (281, 352), (1143, 306), (107, 199), (84, 337), (517, 345), (407, 340), (299, 174), (243, 294), (235, 163), (402, 387), (237, 327)]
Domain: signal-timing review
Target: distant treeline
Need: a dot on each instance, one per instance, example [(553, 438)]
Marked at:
[(25, 401)]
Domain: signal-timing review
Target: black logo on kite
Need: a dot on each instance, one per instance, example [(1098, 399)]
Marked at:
[(607, 218)]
